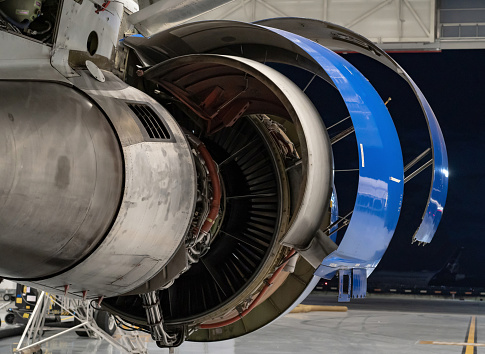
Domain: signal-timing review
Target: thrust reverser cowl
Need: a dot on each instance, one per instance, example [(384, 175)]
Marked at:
[(270, 45)]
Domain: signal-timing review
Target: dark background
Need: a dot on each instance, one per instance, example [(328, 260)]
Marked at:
[(453, 82)]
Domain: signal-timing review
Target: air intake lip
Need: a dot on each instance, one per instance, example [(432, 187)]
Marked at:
[(151, 121)]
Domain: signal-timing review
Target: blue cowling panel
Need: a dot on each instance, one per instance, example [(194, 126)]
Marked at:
[(439, 188), (332, 34), (381, 176), (204, 38)]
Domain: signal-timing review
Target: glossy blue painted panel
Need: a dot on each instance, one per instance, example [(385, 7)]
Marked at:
[(381, 176), (439, 188), (344, 295), (439, 182), (359, 283)]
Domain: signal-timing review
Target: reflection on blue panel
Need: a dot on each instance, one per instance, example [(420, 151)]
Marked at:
[(381, 176), (439, 188), (439, 182)]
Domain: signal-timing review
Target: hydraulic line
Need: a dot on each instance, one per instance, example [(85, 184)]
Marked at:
[(215, 181), (269, 282), (216, 189), (151, 303)]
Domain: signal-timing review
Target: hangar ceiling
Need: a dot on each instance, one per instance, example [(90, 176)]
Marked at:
[(393, 24)]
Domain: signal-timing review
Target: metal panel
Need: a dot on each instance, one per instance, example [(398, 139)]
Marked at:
[(24, 59), (344, 285), (450, 31), (73, 34), (359, 283), (162, 15), (463, 16), (15, 47), (461, 4), (156, 207), (137, 270), (439, 184), (60, 181)]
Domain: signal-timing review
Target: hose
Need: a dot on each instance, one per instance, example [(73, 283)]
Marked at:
[(36, 33), (11, 331)]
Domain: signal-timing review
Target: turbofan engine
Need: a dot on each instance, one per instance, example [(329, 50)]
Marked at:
[(192, 194)]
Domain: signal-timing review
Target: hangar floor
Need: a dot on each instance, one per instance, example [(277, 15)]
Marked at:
[(375, 325)]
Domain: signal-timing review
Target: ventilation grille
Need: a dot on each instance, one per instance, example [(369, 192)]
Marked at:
[(150, 121)]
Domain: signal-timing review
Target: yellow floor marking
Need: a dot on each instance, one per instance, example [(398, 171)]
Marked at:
[(452, 343), (471, 336), (470, 344)]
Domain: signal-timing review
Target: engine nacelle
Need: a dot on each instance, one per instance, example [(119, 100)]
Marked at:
[(201, 203), (88, 188)]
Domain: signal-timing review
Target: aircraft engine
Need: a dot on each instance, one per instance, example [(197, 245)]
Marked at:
[(190, 189)]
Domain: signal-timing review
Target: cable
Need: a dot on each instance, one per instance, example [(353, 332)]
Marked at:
[(37, 33), (128, 327), (94, 307), (287, 259)]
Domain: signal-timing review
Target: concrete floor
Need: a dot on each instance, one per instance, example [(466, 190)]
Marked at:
[(376, 325)]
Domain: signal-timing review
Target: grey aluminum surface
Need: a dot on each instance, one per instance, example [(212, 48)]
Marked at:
[(161, 15), (157, 204), (223, 37), (24, 59), (77, 22), (60, 177)]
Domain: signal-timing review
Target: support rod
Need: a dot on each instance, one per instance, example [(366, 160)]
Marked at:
[(342, 135), (331, 226), (343, 120), (417, 159), (418, 171)]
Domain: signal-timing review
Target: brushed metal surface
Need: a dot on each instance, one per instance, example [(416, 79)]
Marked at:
[(60, 178), (156, 16), (157, 203)]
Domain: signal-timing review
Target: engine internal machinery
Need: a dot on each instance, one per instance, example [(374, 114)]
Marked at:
[(236, 121)]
